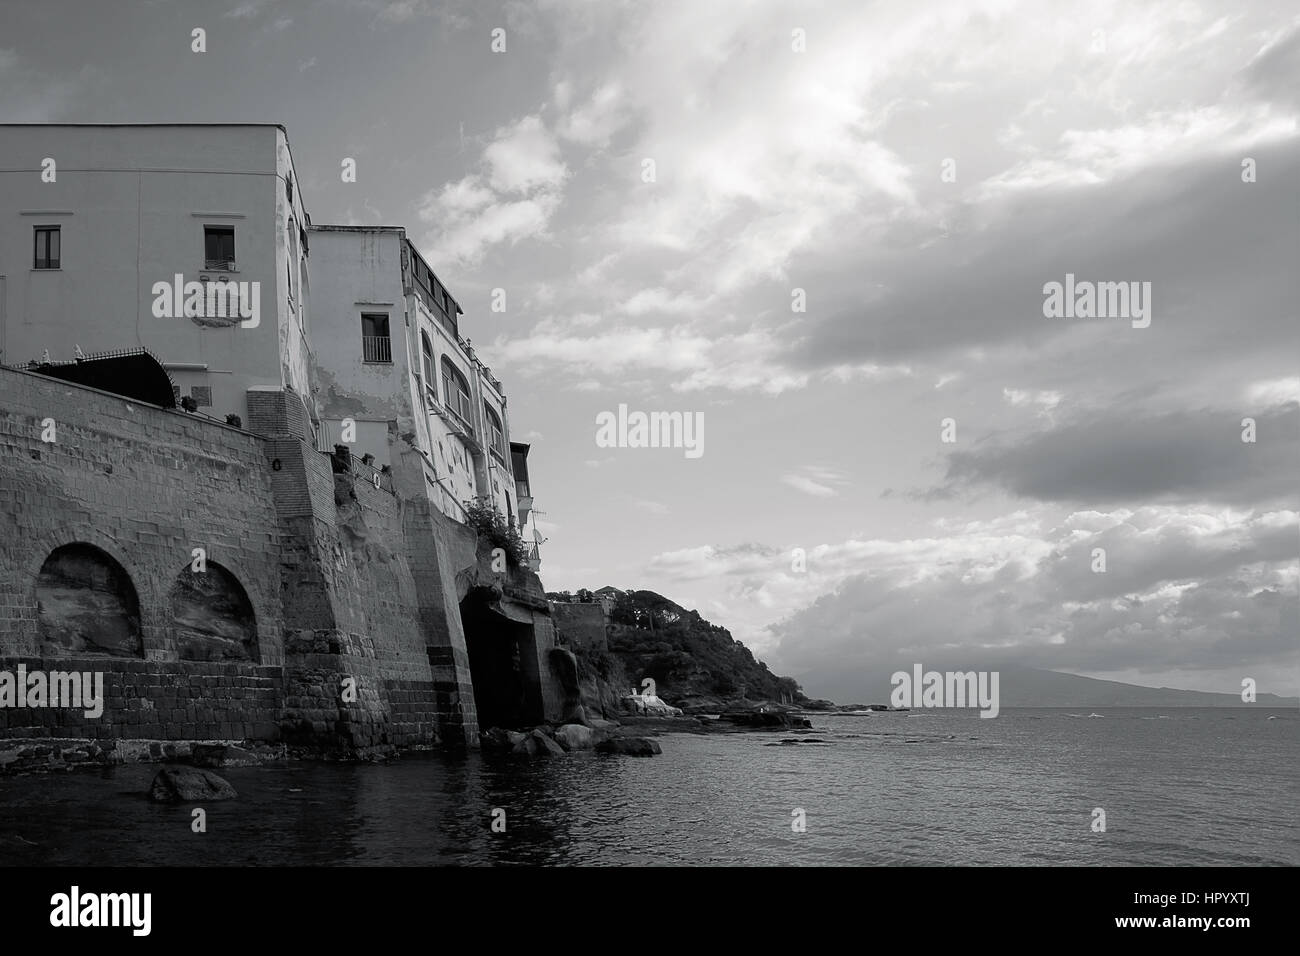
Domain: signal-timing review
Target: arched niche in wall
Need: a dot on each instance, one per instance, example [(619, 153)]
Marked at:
[(86, 604), (212, 618)]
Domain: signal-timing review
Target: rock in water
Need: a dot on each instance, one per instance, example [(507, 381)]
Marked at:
[(546, 747), (189, 785), (221, 755), (575, 737), (631, 746), (495, 738), (648, 705)]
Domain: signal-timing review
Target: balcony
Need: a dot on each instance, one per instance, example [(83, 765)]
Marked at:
[(461, 428), (219, 265), (377, 349)]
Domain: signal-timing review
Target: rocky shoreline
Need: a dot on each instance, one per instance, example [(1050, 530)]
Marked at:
[(629, 732)]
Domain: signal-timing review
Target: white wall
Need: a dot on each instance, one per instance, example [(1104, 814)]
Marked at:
[(353, 273), (132, 203)]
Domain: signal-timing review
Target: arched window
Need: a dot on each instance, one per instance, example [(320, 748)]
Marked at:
[(496, 432), (455, 391), (86, 604), (426, 365)]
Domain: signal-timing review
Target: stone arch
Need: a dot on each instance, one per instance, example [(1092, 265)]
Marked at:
[(265, 602), (212, 616), (148, 588), (86, 604)]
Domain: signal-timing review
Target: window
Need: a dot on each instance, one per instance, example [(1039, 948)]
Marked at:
[(292, 264), (47, 247), (375, 343), (201, 394), (446, 303), (426, 364), (456, 393), (219, 248), (496, 433)]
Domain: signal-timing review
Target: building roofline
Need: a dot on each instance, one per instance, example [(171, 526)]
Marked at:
[(279, 126), (329, 227), (425, 259)]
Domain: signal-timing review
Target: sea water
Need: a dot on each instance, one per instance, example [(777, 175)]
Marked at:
[(1177, 786)]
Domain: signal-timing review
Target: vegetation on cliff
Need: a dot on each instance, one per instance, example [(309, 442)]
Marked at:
[(685, 655), (492, 525)]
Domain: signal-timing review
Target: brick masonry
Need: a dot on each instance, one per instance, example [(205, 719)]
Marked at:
[(354, 589)]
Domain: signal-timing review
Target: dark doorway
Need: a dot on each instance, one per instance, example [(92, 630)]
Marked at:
[(502, 664)]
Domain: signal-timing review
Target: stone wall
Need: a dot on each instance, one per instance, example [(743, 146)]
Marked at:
[(134, 489), (331, 616), (143, 486), (357, 673), (156, 700)]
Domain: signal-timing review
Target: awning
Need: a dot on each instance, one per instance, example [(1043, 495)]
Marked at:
[(131, 373)]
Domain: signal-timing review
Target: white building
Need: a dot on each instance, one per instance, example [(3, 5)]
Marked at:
[(94, 217), (95, 220), (392, 367)]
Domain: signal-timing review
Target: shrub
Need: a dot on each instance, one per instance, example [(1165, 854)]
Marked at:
[(491, 524)]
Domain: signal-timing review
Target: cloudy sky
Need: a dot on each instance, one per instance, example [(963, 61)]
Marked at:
[(920, 171)]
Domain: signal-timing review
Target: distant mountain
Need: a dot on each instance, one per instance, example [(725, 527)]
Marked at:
[(1030, 687)]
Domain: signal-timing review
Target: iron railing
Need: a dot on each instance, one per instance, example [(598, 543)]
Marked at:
[(377, 348)]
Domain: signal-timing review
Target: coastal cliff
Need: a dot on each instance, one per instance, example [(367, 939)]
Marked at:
[(622, 640)]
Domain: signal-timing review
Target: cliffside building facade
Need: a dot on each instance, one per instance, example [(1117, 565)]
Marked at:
[(244, 578)]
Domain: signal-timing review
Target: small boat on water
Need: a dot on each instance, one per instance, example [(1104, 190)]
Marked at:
[(1096, 715)]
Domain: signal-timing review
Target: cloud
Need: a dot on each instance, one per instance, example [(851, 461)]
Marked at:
[(1272, 73), (808, 486), (1274, 392), (246, 10), (1020, 397), (1086, 157), (815, 481), (1122, 455), (661, 301), (1182, 590), (1184, 230), (512, 197), (737, 361), (523, 158), (594, 122)]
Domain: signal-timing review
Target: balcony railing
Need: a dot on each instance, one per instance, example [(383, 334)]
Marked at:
[(218, 265), (377, 348)]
